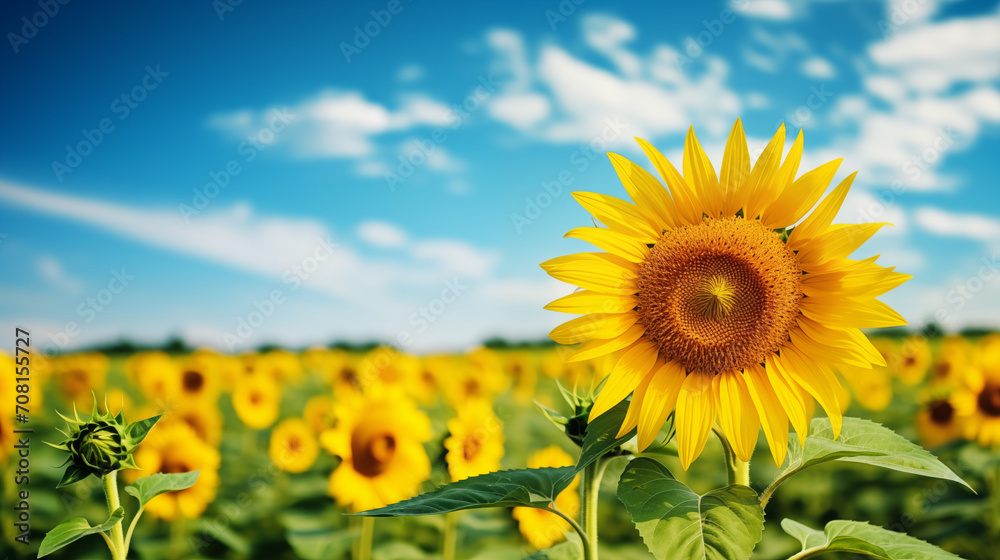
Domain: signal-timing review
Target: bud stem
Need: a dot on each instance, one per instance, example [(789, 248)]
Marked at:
[(118, 552)]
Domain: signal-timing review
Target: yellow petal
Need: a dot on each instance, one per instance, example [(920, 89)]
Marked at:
[(762, 174), (600, 272), (634, 365), (595, 325), (816, 378), (837, 243), (659, 399), (825, 351), (848, 312), (698, 171), (597, 348), (648, 194), (772, 415), (791, 397), (694, 416), (737, 414), (613, 241), (735, 170), (635, 405), (803, 194), (686, 200), (821, 218), (620, 215), (586, 301)]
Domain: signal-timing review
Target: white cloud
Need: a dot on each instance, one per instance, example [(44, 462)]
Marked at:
[(558, 97), (819, 68), (410, 73), (778, 10), (971, 226), (52, 271), (757, 100), (381, 234), (929, 90), (267, 246), (455, 256), (338, 124), (435, 156)]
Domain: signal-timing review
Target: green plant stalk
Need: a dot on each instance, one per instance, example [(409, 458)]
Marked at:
[(117, 538), (367, 536), (737, 470), (450, 536), (590, 490)]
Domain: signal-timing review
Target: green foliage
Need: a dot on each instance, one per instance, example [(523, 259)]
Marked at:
[(73, 530), (149, 487), (522, 487), (599, 438), (677, 523), (862, 538), (861, 441)]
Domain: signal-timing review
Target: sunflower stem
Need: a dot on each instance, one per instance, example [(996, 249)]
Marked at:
[(117, 538), (737, 469), (590, 491), (367, 537), (450, 543)]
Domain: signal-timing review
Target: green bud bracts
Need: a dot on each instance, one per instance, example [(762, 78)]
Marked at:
[(101, 445)]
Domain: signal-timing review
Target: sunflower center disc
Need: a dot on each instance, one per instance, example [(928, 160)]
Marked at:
[(720, 295)]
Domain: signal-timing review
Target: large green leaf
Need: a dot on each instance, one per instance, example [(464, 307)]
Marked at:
[(149, 487), (521, 487), (862, 538), (599, 437), (861, 441), (677, 523), (73, 530)]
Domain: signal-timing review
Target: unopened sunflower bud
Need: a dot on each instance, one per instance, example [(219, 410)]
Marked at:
[(101, 445)]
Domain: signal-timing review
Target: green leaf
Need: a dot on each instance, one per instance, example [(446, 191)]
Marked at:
[(73, 530), (599, 437), (677, 523), (137, 431), (72, 475), (862, 441), (861, 538), (149, 487), (522, 487)]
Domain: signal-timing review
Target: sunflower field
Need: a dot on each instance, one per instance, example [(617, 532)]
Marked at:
[(288, 442)]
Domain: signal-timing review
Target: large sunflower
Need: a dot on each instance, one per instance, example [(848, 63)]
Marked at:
[(475, 441), (719, 307)]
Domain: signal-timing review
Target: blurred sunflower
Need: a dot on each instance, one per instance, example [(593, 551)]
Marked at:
[(379, 438), (283, 366), (977, 400), (475, 441), (345, 378), (952, 358), (205, 421), (872, 388), (7, 439), (78, 376), (293, 446), (477, 375), (723, 309), (542, 528), (426, 384), (522, 369), (156, 375), (318, 413), (257, 399), (198, 380), (937, 423), (174, 448), (913, 360)]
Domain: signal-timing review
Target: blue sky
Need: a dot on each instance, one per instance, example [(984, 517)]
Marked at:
[(346, 172)]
